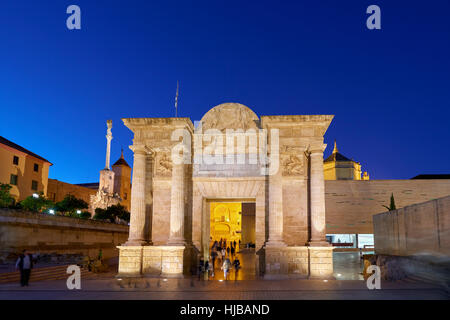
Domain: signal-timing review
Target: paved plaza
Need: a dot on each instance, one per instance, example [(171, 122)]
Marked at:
[(245, 286), (194, 289)]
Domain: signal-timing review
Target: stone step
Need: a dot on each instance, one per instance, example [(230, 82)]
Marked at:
[(36, 270), (36, 274), (45, 273), (39, 277), (42, 278), (427, 278)]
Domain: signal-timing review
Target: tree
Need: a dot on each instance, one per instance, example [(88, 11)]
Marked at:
[(6, 199), (36, 204), (85, 215), (70, 204), (392, 204), (111, 213)]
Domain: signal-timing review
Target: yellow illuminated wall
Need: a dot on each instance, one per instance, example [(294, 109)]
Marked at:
[(226, 221), (25, 170), (339, 167)]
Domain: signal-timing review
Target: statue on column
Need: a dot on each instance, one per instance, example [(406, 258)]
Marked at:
[(105, 196)]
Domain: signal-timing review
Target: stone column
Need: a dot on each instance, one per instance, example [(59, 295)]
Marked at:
[(149, 198), (320, 251), (108, 143), (276, 210), (176, 236), (137, 235), (317, 196)]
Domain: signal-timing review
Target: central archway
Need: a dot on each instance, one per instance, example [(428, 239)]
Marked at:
[(232, 230), (228, 190)]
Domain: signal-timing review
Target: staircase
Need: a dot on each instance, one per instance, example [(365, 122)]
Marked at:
[(44, 273)]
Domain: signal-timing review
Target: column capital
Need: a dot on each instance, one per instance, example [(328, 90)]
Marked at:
[(316, 149), (141, 149)]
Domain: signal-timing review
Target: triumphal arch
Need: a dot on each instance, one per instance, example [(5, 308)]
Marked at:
[(274, 163)]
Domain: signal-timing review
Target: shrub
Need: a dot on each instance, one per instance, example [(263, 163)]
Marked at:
[(6, 200), (70, 205), (392, 204), (38, 204), (111, 213), (84, 215)]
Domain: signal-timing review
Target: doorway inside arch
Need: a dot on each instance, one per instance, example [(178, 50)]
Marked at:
[(232, 236)]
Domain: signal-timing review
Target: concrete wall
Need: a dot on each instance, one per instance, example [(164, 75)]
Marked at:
[(54, 234), (350, 205), (57, 190), (416, 229)]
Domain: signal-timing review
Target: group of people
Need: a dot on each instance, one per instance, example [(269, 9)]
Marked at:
[(220, 251)]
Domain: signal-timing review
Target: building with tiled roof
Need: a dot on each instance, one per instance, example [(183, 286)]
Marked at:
[(24, 170)]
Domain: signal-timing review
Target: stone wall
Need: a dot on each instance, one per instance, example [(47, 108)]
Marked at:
[(57, 190), (295, 212), (164, 261), (41, 233), (299, 262), (417, 229), (350, 205), (161, 211), (248, 223)]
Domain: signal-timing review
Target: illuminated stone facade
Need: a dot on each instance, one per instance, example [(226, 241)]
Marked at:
[(275, 162), (339, 167)]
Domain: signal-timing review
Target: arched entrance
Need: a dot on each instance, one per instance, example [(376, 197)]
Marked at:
[(231, 208), (232, 227)]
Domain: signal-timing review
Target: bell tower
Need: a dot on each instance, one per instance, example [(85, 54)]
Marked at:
[(122, 181)]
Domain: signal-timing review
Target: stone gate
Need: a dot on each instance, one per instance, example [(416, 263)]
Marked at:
[(274, 161)]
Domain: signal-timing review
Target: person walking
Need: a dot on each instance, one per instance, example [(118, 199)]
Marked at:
[(226, 268), (224, 252), (213, 258), (201, 268), (219, 256), (234, 242), (24, 264), (210, 269), (228, 250), (237, 266), (232, 252), (206, 272)]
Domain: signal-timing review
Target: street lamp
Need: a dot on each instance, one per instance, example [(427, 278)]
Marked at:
[(78, 211), (51, 211), (35, 195)]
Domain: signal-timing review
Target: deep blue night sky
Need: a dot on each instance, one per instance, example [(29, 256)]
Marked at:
[(389, 88)]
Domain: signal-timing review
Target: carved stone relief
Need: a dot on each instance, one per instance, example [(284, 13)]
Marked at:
[(292, 160), (230, 116), (163, 165)]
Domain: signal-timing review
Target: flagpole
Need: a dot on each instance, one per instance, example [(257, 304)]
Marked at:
[(176, 102)]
